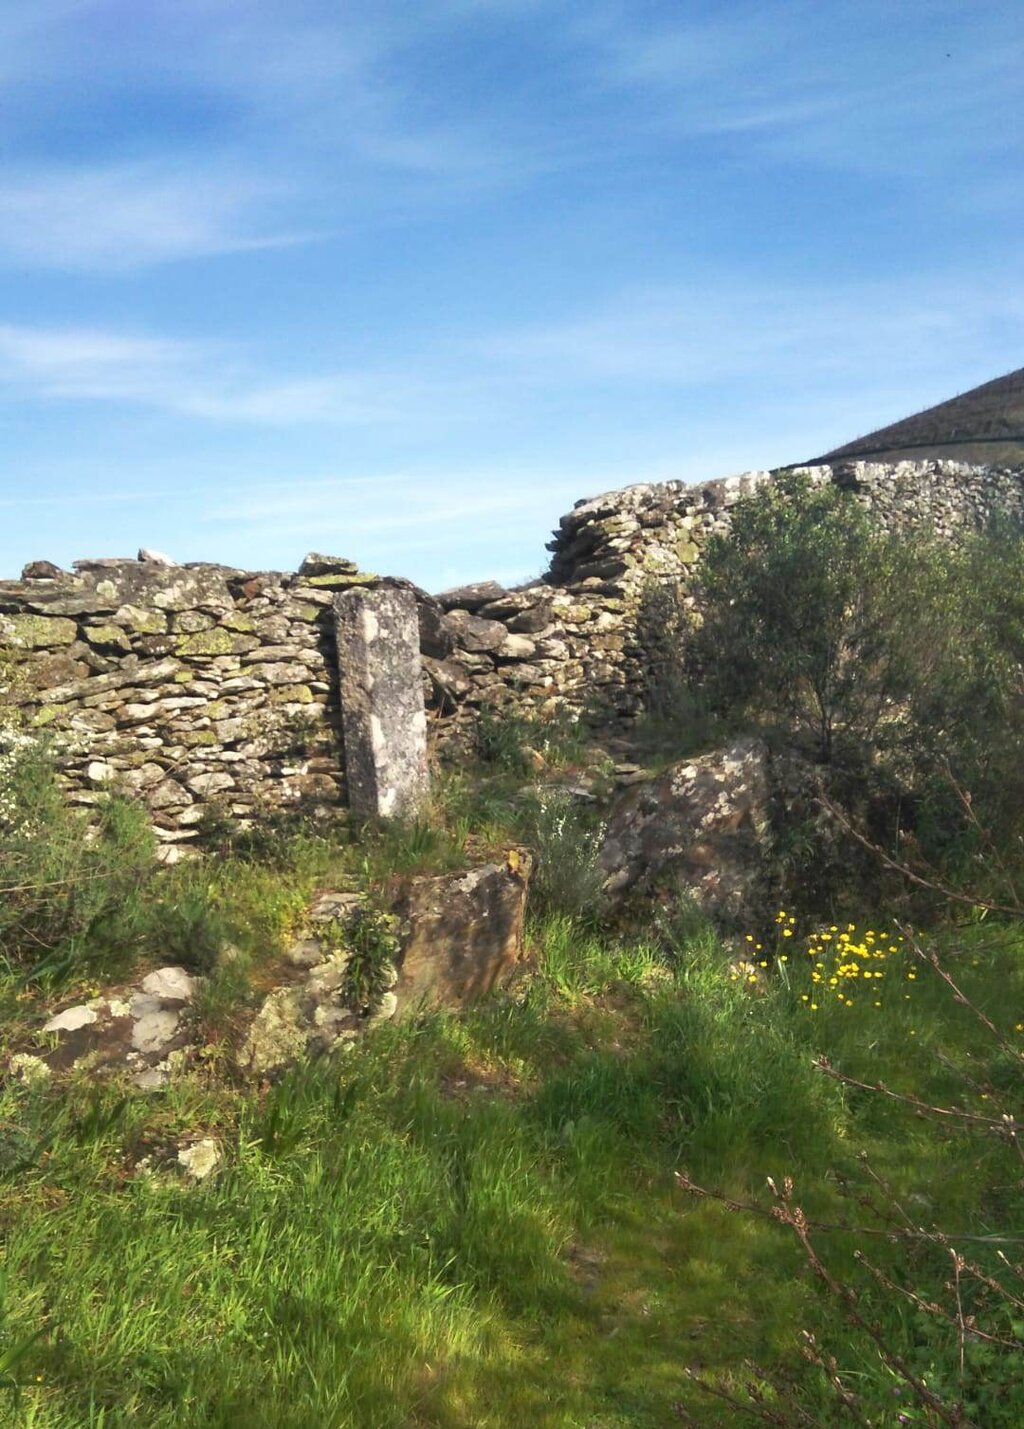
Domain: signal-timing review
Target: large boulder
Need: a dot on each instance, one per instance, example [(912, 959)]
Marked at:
[(705, 825), (462, 933)]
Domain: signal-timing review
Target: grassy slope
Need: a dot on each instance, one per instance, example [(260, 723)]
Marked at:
[(474, 1222)]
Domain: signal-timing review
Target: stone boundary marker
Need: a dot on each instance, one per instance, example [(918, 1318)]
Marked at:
[(384, 722)]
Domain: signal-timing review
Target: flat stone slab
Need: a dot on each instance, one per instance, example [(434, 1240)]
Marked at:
[(71, 1019), (154, 1030), (170, 984)]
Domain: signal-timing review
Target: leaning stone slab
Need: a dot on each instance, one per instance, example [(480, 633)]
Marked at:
[(383, 716)]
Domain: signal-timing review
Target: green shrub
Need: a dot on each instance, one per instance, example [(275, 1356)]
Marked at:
[(900, 654), (798, 603), (72, 887), (373, 943)]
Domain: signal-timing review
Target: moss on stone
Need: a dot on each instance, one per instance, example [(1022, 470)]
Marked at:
[(241, 624), (107, 637), (290, 695), (39, 632), (206, 642), (340, 582)]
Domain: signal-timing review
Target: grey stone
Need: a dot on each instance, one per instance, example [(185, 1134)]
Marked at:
[(170, 984), (306, 953), (473, 633), (384, 1011), (383, 715), (314, 564), (206, 784), (154, 1030), (71, 1019), (41, 571), (706, 825), (331, 906), (470, 597)]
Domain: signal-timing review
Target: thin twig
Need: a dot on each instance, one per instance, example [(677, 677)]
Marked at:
[(971, 900)]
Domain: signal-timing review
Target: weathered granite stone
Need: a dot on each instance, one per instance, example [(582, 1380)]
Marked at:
[(705, 824), (437, 639), (154, 1030), (41, 571), (475, 634), (383, 715), (71, 1019), (314, 564), (170, 985), (463, 934), (470, 597)]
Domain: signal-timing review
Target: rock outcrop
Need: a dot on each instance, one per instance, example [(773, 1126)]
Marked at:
[(462, 934), (705, 827)]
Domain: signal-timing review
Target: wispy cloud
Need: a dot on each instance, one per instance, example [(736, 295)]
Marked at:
[(710, 336), (135, 215), (210, 381)]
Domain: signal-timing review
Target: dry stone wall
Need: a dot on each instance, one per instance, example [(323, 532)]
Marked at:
[(599, 632), (199, 684), (186, 685)]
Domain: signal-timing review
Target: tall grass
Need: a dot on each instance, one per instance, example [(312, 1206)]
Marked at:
[(469, 1221)]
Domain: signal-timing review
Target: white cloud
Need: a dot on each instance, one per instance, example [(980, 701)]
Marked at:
[(212, 382), (134, 215)]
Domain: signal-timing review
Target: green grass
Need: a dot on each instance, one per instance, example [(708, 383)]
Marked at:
[(474, 1222)]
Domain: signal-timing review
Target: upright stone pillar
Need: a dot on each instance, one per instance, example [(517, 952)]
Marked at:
[(383, 719)]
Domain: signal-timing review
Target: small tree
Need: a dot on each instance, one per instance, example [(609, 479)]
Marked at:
[(796, 600)]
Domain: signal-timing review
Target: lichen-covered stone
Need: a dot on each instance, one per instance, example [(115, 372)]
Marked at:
[(383, 715), (706, 823), (36, 632), (107, 637), (214, 642), (279, 1034), (463, 934), (340, 581)]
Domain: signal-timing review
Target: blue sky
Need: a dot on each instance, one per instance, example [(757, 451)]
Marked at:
[(403, 281)]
